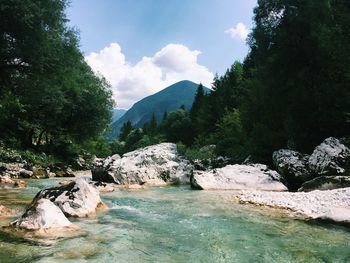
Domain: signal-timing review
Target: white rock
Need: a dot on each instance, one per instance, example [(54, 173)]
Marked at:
[(42, 214), (78, 199), (331, 157), (239, 177), (331, 205), (153, 164)]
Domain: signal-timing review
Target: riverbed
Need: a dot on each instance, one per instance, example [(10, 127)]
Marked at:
[(177, 224)]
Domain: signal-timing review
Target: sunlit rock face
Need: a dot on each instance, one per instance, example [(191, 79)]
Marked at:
[(155, 165), (238, 177), (77, 199), (42, 214)]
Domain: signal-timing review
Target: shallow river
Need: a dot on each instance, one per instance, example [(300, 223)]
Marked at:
[(175, 224)]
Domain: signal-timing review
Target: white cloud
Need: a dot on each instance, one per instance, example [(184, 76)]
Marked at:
[(131, 83), (240, 31)]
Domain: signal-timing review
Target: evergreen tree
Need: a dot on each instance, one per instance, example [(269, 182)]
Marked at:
[(125, 130)]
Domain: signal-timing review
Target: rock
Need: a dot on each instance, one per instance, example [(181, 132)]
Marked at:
[(331, 205), (293, 166), (238, 177), (133, 187), (65, 182), (20, 184), (325, 183), (208, 164), (25, 173), (153, 164), (6, 179), (15, 170), (331, 157), (38, 172), (65, 173), (42, 214), (77, 199), (5, 212), (102, 187)]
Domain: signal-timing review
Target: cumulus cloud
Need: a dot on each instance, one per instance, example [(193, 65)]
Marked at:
[(131, 83), (239, 31)]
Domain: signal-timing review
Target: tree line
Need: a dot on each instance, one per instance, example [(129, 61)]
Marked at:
[(51, 100), (291, 91)]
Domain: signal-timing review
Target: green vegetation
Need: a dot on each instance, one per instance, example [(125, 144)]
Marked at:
[(51, 101), (291, 91)]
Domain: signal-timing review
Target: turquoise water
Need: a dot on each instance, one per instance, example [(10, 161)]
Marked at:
[(175, 224)]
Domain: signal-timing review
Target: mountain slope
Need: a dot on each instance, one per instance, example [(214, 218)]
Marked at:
[(117, 114), (166, 100)]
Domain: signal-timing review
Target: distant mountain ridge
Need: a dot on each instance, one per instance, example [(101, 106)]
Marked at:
[(167, 100), (117, 114)]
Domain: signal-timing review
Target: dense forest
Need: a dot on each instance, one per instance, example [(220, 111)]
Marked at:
[(291, 91), (51, 101)]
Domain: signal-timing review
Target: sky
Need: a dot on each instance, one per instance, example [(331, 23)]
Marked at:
[(143, 46)]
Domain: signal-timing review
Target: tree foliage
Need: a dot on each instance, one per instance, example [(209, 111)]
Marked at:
[(50, 97)]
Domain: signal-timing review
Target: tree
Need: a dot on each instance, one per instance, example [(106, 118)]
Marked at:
[(177, 127), (43, 75), (125, 130), (296, 86)]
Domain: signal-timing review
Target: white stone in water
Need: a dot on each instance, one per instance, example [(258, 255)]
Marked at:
[(77, 199), (42, 215), (239, 177)]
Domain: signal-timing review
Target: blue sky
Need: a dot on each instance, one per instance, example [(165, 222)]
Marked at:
[(132, 41)]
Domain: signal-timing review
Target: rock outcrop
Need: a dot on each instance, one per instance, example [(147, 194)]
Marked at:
[(293, 166), (302, 172), (156, 164), (333, 205), (77, 199), (331, 157), (238, 177), (325, 183)]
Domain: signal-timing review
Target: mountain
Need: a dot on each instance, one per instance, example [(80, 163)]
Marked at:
[(166, 100), (117, 114)]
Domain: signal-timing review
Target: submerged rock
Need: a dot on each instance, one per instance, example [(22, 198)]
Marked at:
[(5, 212), (325, 183), (293, 166), (331, 157), (154, 164), (102, 187), (331, 205), (78, 199), (238, 177)]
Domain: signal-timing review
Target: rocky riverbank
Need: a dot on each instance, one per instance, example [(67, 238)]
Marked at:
[(332, 205)]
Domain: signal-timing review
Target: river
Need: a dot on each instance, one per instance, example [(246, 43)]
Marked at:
[(176, 224)]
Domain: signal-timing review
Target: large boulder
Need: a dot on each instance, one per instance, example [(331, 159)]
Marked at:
[(293, 166), (42, 214), (155, 165), (325, 183), (331, 157), (238, 177), (77, 199)]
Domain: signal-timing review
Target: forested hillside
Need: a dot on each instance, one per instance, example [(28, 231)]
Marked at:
[(291, 91)]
